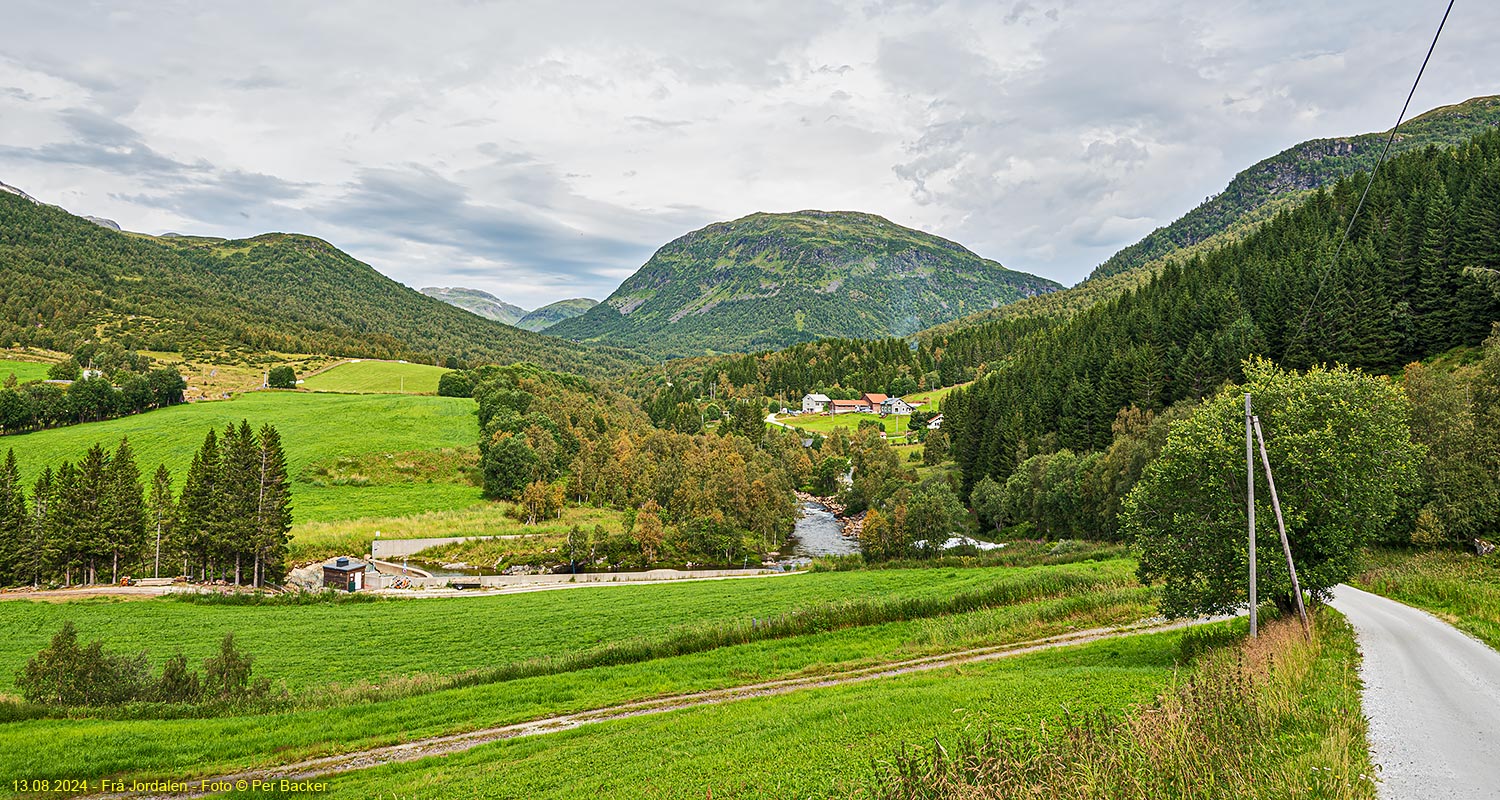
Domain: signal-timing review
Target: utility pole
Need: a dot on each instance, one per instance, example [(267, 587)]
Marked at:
[(1286, 546), (1250, 501)]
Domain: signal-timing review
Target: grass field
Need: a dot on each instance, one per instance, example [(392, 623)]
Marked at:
[(314, 428), (430, 636), (932, 400), (314, 540), (1457, 586), (817, 743), (376, 377), (308, 645), (825, 423), (23, 370)]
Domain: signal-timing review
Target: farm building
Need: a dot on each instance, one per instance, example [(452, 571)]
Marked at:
[(872, 399), (895, 405), (814, 403), (344, 573), (935, 423), (848, 407)]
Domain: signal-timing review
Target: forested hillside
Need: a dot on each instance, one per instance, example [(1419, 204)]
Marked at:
[(64, 280), (772, 280), (1309, 165), (553, 313), (1405, 287)]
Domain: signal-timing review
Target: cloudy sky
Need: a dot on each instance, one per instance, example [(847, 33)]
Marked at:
[(544, 150)]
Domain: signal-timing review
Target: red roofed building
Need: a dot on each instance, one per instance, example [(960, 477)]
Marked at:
[(872, 400), (848, 407)]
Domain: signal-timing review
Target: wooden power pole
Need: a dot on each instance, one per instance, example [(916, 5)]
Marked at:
[(1250, 504), (1286, 546)]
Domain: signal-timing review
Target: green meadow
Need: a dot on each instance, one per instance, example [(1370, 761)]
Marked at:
[(376, 377), (314, 428), (403, 647), (23, 370)]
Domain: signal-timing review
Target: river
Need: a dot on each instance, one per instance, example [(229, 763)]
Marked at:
[(819, 533)]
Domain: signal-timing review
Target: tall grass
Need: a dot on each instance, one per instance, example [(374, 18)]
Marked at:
[(1462, 588), (1273, 717), (1021, 553)]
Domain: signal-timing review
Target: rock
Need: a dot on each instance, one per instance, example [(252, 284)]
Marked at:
[(307, 579)]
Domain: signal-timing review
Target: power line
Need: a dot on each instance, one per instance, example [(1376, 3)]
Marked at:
[(1383, 153)]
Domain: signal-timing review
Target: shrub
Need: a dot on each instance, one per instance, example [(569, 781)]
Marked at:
[(281, 378), (68, 675)]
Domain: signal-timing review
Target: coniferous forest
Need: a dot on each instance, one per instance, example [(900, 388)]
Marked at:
[(94, 520), (1403, 288)]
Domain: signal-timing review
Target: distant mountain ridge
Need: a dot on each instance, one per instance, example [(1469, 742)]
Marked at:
[(478, 302), (766, 281), (553, 313)]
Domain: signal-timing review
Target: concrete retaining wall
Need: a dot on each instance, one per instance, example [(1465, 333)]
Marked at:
[(395, 548)]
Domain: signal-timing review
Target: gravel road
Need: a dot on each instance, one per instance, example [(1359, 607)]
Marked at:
[(1432, 695)]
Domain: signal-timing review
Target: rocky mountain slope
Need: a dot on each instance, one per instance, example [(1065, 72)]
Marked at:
[(479, 302)]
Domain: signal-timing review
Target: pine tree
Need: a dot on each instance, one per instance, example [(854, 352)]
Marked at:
[(124, 509), (161, 517), (91, 492), (37, 553), (197, 507), (12, 520), (239, 492), (273, 517)]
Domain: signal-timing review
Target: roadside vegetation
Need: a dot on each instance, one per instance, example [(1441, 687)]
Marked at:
[(1460, 587), (1277, 716)]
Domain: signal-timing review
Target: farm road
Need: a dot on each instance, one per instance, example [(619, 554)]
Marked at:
[(453, 743), (1432, 695)]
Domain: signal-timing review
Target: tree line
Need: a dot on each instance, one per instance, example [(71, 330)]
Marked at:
[(90, 518), (118, 382)]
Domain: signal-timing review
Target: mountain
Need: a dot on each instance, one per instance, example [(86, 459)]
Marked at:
[(478, 302), (553, 313), (102, 222), (64, 280), (767, 281), (1298, 169)]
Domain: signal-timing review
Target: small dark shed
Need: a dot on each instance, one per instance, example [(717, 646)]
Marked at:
[(344, 573)]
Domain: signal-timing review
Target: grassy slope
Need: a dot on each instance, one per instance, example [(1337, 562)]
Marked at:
[(377, 377), (314, 644), (313, 427), (1459, 587), (813, 743), (91, 747), (23, 370)]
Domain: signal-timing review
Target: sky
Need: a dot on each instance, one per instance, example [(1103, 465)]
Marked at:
[(542, 151)]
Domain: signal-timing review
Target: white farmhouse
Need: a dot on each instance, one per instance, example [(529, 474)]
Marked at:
[(935, 423), (895, 405), (814, 403)]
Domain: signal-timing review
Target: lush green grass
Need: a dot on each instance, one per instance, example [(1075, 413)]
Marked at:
[(376, 377), (825, 423), (1458, 586), (186, 747), (315, 644), (808, 744), (315, 540), (23, 370), (314, 427), (1278, 716), (933, 400)]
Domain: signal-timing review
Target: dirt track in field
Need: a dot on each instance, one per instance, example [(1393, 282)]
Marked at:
[(325, 766)]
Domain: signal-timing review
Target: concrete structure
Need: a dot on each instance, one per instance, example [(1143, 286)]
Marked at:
[(895, 405), (814, 403), (397, 548)]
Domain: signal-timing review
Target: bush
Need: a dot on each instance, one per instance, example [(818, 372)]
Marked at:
[(281, 377), (455, 384), (68, 675)]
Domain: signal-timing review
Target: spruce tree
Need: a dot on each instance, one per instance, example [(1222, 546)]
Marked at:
[(37, 552), (12, 519), (124, 510), (273, 518), (198, 505), (161, 518), (239, 490)]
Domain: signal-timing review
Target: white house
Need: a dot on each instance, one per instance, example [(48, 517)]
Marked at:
[(814, 403), (895, 405), (935, 423)]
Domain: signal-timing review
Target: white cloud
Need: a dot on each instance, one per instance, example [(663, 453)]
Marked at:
[(542, 151)]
